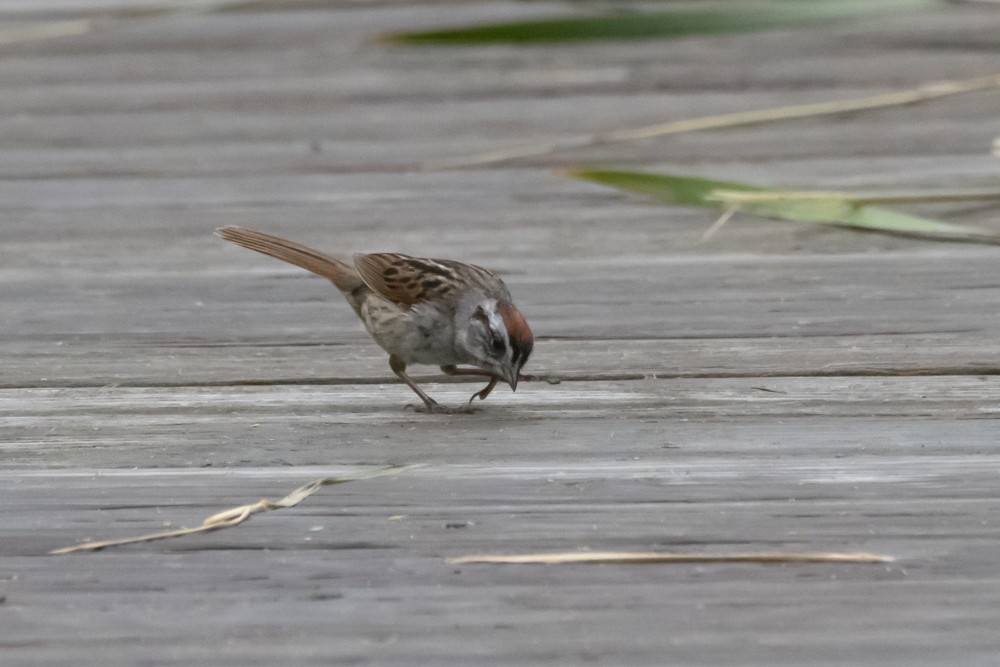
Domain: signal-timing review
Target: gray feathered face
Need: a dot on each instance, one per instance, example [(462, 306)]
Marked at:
[(500, 339)]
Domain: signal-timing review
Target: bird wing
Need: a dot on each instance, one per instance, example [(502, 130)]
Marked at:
[(406, 280)]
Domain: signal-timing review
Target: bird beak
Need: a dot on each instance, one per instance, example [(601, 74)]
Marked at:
[(511, 377)]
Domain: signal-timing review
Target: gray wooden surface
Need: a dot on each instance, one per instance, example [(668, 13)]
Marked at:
[(780, 387)]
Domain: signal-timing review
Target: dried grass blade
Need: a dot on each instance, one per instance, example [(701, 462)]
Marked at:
[(755, 117), (32, 32), (610, 557), (739, 197), (237, 515), (728, 120)]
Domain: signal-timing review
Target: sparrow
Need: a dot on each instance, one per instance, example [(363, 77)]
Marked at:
[(421, 311)]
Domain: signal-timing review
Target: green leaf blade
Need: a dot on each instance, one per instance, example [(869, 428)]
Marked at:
[(658, 25), (834, 209), (683, 190)]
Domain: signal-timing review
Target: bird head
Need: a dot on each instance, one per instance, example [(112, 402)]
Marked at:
[(499, 339)]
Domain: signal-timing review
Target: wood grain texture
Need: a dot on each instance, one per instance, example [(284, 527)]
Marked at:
[(780, 388)]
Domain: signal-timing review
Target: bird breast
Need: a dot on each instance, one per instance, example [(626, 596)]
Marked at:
[(420, 334)]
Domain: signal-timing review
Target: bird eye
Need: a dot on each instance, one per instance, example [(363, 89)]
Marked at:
[(498, 345)]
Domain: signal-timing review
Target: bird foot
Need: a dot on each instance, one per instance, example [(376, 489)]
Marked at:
[(551, 379), (438, 409)]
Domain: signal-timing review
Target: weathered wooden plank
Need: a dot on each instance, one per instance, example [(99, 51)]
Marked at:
[(148, 100), (314, 357), (365, 586), (729, 295), (752, 393), (297, 425)]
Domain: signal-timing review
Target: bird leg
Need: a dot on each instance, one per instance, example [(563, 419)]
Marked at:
[(399, 368), (430, 405)]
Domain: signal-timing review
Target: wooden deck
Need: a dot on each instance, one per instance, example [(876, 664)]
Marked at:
[(780, 387)]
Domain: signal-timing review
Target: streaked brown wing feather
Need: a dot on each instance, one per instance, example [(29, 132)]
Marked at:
[(411, 280), (403, 279)]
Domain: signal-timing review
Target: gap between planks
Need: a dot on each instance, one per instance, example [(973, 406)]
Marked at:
[(944, 371)]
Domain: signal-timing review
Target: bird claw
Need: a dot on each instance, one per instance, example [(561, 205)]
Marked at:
[(484, 392)]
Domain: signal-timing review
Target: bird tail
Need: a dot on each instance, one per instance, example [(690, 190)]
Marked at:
[(345, 277)]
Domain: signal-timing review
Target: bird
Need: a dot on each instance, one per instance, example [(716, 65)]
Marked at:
[(439, 312)]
